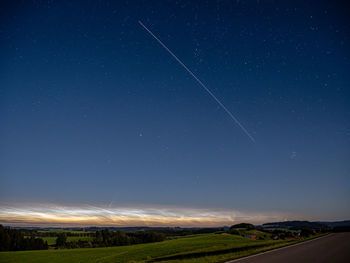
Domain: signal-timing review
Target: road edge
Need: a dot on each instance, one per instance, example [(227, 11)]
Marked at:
[(279, 248)]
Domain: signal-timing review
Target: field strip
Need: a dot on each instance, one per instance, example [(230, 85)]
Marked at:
[(276, 249)]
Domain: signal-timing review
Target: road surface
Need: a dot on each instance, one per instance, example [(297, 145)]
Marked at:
[(333, 248)]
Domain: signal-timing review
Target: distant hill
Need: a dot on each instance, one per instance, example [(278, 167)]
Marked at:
[(298, 225), (243, 225), (294, 225), (337, 223)]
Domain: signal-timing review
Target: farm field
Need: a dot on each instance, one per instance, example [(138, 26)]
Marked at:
[(52, 240), (196, 248)]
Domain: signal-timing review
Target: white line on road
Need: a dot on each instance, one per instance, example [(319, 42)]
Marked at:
[(276, 249)]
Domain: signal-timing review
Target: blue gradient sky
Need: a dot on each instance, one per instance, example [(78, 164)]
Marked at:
[(93, 110)]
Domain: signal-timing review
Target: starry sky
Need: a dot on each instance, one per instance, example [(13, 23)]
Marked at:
[(95, 113)]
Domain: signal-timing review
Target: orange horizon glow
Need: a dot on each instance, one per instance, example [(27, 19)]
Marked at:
[(87, 215)]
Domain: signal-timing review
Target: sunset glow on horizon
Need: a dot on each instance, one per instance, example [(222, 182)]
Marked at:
[(88, 215)]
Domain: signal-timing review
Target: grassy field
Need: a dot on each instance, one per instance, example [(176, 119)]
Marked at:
[(197, 248), (52, 240)]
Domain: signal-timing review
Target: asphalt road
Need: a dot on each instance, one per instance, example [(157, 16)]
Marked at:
[(333, 248)]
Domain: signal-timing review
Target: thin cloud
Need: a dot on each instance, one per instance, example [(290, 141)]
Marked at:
[(88, 215)]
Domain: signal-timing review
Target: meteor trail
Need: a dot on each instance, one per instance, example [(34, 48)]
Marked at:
[(199, 81)]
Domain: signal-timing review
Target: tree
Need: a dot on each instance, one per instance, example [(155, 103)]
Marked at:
[(306, 232), (120, 239), (243, 225), (61, 240), (234, 231), (14, 240)]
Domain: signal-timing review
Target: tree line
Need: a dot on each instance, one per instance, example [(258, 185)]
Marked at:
[(14, 240), (107, 238), (54, 234)]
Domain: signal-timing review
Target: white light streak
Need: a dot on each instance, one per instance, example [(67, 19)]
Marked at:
[(200, 82)]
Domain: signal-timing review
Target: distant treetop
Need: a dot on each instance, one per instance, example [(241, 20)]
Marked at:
[(243, 225)]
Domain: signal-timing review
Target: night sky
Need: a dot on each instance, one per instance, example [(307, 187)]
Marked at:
[(94, 112)]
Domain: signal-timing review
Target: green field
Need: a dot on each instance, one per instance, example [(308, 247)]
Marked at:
[(52, 240), (196, 248)]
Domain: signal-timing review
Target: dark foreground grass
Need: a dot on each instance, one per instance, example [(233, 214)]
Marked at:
[(197, 248)]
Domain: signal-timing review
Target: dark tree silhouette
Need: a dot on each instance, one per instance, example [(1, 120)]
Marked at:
[(61, 240), (14, 240)]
